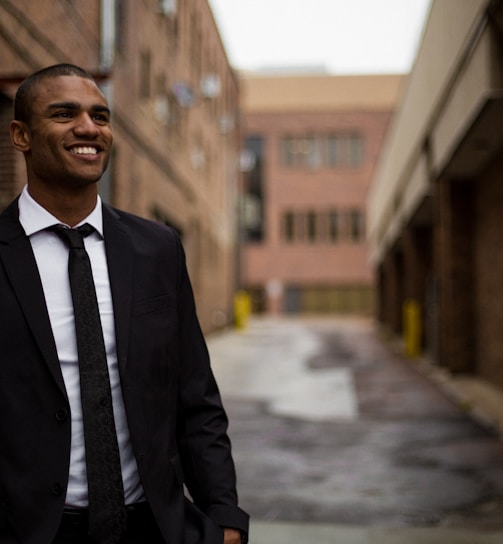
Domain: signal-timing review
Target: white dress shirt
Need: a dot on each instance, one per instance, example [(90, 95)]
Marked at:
[(51, 255)]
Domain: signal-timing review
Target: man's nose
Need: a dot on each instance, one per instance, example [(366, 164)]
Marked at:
[(85, 125)]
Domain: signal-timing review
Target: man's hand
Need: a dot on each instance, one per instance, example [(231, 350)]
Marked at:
[(232, 536)]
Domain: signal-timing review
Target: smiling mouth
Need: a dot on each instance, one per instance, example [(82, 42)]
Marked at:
[(84, 150)]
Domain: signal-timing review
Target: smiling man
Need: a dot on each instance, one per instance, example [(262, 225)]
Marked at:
[(109, 405), (62, 125)]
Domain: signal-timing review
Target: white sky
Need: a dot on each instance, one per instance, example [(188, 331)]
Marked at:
[(342, 36)]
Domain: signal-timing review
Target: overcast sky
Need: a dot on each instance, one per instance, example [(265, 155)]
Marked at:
[(342, 36)]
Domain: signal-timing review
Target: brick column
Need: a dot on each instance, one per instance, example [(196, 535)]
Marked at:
[(392, 291), (417, 252), (380, 308), (454, 266)]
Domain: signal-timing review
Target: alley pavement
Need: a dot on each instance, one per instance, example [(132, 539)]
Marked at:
[(339, 439)]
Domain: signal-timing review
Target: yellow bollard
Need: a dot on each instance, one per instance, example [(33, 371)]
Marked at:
[(242, 308), (412, 328)]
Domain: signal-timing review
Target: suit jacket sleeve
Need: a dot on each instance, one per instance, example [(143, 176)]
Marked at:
[(205, 448)]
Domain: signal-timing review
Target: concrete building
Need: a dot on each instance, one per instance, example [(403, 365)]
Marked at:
[(175, 103), (435, 212), (312, 144)]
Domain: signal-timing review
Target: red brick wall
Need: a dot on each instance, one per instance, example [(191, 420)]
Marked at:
[(7, 161), (488, 218), (153, 172), (45, 32), (302, 189)]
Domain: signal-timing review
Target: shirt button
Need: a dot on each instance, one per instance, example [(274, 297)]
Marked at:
[(61, 414), (57, 489)]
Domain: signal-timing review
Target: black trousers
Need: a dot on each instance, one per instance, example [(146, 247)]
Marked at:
[(142, 528)]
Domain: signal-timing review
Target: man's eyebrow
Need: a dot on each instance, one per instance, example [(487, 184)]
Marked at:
[(101, 108), (76, 106), (64, 105)]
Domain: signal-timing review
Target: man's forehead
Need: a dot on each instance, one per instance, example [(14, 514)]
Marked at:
[(68, 87)]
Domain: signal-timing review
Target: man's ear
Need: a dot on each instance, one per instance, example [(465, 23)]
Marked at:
[(19, 135)]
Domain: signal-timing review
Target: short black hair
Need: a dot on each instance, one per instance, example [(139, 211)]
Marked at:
[(24, 94)]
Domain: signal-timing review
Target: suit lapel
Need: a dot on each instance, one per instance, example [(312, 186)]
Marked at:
[(119, 250), (19, 263)]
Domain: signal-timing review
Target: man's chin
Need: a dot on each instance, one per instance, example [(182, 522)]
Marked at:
[(86, 178), (79, 183)]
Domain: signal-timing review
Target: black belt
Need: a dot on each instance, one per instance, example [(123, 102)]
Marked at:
[(75, 521)]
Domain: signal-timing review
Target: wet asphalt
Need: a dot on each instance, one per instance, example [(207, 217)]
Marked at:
[(338, 438)]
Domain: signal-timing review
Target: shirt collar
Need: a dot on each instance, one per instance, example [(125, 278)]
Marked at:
[(34, 218)]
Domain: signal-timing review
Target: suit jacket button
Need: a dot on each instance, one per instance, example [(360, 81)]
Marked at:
[(61, 414), (57, 489)]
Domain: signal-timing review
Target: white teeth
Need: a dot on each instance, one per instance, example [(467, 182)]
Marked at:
[(84, 150)]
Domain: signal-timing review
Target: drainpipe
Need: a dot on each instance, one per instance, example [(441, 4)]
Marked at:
[(107, 49)]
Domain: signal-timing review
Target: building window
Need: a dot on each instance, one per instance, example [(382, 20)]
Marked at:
[(312, 153), (356, 230), (289, 150), (120, 27), (356, 150), (333, 150), (196, 45), (321, 227), (312, 231), (145, 75), (288, 227), (253, 212), (344, 150), (333, 226), (339, 150)]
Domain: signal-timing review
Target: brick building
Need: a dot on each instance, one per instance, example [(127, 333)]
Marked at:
[(435, 210), (174, 101), (312, 143)]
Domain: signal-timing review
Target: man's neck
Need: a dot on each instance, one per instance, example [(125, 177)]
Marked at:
[(70, 207)]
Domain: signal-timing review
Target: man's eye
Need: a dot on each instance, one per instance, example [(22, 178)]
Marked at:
[(63, 114)]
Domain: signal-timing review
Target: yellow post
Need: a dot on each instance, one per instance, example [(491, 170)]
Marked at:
[(242, 309), (412, 328)]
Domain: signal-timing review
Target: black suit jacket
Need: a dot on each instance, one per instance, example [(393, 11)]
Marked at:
[(177, 424)]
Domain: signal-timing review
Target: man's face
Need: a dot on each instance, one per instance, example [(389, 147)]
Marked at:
[(68, 135)]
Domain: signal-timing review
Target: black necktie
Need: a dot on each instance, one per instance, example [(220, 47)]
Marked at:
[(107, 513)]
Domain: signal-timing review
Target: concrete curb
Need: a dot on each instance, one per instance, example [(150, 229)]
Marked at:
[(481, 400), (301, 533), (478, 398)]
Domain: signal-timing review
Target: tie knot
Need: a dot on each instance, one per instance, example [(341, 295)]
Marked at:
[(74, 238)]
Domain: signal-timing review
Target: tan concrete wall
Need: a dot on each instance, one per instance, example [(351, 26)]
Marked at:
[(426, 101), (441, 172), (322, 263)]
